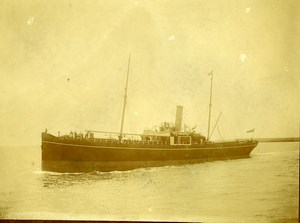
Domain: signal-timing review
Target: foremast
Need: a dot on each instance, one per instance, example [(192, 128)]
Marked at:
[(125, 99)]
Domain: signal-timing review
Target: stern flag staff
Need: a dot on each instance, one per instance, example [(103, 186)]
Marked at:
[(252, 130)]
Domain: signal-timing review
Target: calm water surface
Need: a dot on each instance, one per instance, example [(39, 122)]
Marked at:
[(263, 188)]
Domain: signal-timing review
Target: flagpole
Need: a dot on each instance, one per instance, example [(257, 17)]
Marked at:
[(252, 130), (210, 104)]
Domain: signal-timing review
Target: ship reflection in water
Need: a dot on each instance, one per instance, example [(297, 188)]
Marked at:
[(60, 180)]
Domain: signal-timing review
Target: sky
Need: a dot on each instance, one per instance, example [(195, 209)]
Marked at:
[(63, 66)]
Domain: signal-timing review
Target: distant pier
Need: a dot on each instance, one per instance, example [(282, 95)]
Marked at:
[(289, 139)]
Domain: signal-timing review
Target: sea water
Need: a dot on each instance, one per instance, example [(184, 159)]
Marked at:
[(262, 188)]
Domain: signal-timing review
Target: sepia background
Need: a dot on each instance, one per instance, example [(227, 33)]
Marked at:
[(63, 66)]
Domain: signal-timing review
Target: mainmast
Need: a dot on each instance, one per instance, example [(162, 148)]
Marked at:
[(124, 104), (210, 105)]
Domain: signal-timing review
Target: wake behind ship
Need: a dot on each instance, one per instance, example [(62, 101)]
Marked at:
[(161, 146)]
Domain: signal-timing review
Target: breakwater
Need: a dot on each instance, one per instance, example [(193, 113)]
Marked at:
[(286, 139)]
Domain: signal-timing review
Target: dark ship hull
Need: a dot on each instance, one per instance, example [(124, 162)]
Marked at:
[(85, 155)]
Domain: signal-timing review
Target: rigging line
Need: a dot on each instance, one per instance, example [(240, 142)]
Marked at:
[(220, 133), (215, 125)]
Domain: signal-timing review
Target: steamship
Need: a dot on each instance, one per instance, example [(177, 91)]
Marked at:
[(164, 145)]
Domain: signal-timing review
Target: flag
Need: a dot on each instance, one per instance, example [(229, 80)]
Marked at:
[(210, 73), (252, 130)]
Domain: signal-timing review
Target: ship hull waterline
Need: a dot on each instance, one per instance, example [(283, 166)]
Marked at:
[(78, 157)]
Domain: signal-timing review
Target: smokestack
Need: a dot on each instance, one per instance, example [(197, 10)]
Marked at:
[(178, 119)]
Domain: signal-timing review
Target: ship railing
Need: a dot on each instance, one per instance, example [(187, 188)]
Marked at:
[(148, 142), (140, 142), (98, 140)]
